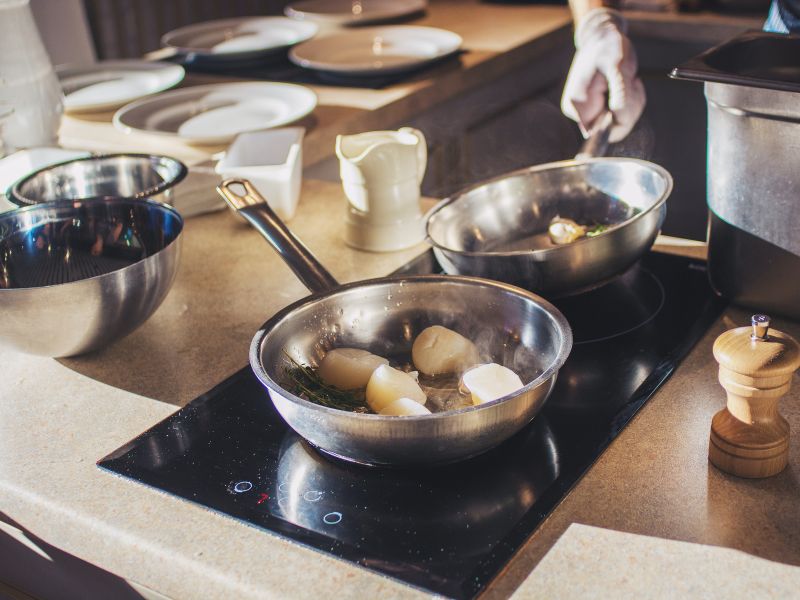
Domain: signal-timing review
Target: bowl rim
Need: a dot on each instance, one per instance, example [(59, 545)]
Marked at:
[(14, 195), (66, 203)]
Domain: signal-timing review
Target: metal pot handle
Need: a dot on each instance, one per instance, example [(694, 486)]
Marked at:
[(252, 206), (596, 143)]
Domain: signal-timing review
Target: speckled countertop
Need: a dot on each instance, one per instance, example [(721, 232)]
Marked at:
[(58, 417)]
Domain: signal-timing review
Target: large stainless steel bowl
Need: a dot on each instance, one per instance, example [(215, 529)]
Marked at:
[(122, 176), (498, 229), (75, 276)]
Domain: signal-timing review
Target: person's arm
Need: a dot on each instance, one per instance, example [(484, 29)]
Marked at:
[(603, 72)]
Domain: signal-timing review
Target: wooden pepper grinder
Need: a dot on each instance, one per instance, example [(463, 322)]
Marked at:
[(748, 437)]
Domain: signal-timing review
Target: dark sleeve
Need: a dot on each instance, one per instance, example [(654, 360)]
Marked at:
[(790, 14)]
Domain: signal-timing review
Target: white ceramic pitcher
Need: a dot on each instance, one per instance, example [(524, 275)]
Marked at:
[(381, 173)]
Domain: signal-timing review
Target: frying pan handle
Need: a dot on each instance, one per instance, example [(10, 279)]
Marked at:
[(252, 206), (596, 143)]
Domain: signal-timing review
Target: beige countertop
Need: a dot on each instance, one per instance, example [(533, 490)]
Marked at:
[(58, 417)]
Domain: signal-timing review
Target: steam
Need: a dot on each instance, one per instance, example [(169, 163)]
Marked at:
[(640, 142)]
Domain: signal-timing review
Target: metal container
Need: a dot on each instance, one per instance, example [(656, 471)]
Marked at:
[(513, 326), (752, 89), (76, 276), (120, 176), (498, 229)]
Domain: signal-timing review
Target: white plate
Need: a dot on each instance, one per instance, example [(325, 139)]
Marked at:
[(113, 83), (376, 50), (215, 114), (239, 39), (352, 12)]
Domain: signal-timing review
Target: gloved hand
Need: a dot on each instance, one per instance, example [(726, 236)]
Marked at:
[(603, 70)]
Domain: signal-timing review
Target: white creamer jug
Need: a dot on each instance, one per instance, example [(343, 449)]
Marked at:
[(381, 173)]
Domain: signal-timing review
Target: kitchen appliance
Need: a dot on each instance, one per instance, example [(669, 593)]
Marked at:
[(751, 86), (108, 176), (78, 275), (448, 530), (516, 328)]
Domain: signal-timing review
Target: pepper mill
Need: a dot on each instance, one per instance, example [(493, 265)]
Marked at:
[(749, 438)]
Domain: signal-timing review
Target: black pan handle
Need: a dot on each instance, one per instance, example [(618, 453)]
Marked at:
[(252, 206)]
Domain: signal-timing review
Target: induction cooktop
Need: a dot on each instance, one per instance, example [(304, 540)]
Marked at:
[(447, 530)]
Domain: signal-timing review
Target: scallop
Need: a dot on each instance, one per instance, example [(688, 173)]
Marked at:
[(404, 407), (388, 384), (349, 368), (490, 382), (565, 231), (440, 350)]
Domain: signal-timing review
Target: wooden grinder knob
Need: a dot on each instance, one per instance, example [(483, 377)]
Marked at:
[(748, 437)]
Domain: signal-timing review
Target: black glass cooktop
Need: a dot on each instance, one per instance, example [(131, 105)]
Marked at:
[(449, 529)]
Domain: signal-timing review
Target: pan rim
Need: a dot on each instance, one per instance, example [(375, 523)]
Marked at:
[(541, 253), (565, 346)]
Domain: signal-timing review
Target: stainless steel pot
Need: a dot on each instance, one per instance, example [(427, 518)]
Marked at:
[(498, 229), (752, 88), (515, 327)]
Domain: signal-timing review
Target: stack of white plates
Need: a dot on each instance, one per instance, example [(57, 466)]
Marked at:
[(216, 113), (238, 40), (352, 12), (110, 84), (376, 51)]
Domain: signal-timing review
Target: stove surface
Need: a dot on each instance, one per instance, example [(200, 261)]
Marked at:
[(448, 530)]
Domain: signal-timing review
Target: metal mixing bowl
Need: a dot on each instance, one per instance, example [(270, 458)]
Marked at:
[(78, 275), (498, 229), (121, 176)]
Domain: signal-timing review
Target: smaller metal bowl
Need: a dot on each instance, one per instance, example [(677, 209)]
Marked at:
[(498, 229), (111, 176), (78, 275)]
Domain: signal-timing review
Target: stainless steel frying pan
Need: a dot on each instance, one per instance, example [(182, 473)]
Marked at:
[(498, 229), (510, 326)]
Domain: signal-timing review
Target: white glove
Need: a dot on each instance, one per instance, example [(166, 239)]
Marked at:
[(605, 62)]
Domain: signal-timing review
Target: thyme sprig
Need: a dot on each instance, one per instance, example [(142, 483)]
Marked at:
[(596, 230), (304, 381)]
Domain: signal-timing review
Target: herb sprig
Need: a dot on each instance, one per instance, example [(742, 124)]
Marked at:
[(596, 230), (304, 381)]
